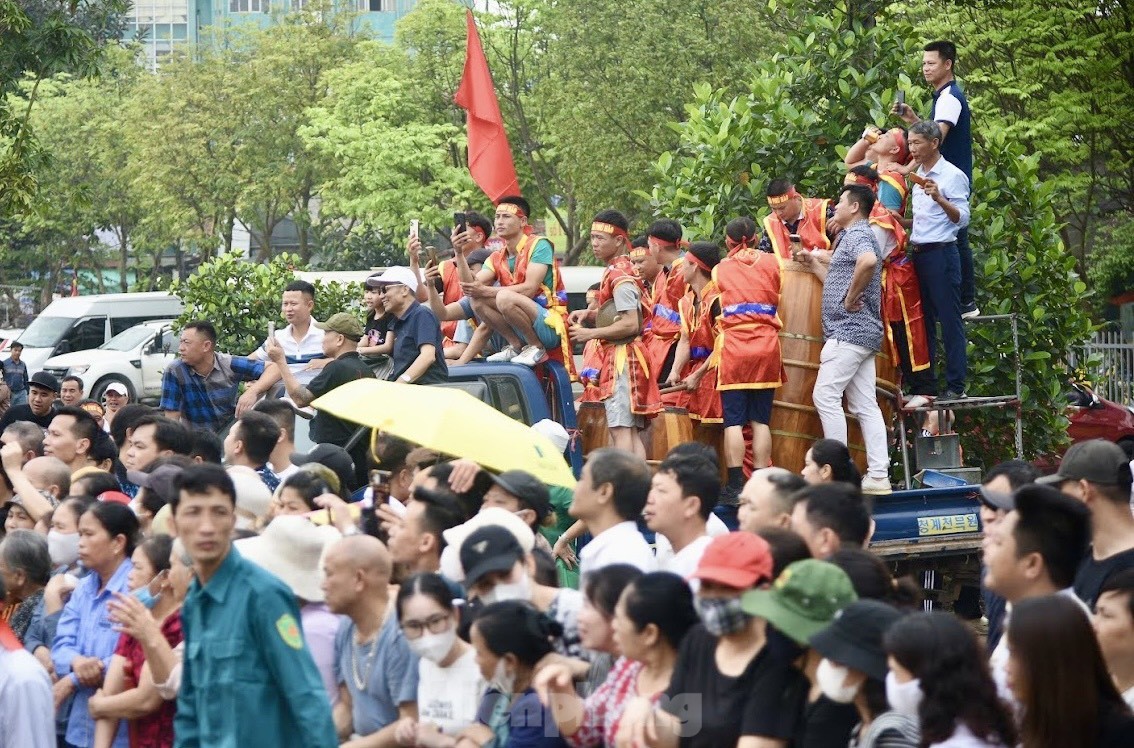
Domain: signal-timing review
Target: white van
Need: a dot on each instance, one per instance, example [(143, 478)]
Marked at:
[(79, 323)]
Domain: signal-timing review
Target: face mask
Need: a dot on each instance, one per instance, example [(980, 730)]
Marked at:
[(433, 647), (521, 590), (904, 698), (502, 680), (146, 597), (832, 680), (721, 615), (63, 547)]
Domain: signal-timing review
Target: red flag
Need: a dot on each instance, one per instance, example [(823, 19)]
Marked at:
[(490, 157)]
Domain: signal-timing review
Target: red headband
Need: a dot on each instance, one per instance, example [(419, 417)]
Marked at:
[(698, 262), (657, 244), (734, 245), (511, 208), (777, 200), (608, 228)]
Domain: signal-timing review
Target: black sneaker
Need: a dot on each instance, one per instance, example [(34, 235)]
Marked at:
[(950, 395), (730, 496)]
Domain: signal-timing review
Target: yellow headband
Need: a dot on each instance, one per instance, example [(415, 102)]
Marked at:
[(638, 252)]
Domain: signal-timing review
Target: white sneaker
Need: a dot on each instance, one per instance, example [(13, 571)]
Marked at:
[(917, 401), (530, 356), (506, 354), (970, 313), (876, 486)]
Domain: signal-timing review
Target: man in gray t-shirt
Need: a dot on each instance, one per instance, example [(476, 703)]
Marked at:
[(852, 327)]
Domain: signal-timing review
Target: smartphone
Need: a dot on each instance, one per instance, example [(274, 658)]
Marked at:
[(414, 225), (380, 485), (795, 239), (431, 253), (460, 220), (917, 179), (900, 99), (271, 329)]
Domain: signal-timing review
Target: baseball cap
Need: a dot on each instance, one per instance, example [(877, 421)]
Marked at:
[(117, 388), (345, 324), (44, 380), (528, 489), (397, 274), (332, 456), (114, 497), (1097, 461), (553, 431), (803, 599), (160, 481), (854, 638), (487, 550), (739, 560), (479, 256)]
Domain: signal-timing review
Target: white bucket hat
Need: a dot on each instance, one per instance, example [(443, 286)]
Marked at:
[(291, 547)]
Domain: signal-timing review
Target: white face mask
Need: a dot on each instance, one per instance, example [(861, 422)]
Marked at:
[(904, 698), (521, 590), (502, 680), (63, 547), (433, 647), (832, 680)]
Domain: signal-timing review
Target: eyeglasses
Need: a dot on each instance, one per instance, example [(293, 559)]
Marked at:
[(435, 624)]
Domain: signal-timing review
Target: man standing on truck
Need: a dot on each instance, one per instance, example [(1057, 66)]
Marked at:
[(529, 305), (622, 370), (852, 327)]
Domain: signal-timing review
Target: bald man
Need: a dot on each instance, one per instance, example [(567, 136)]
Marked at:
[(40, 482), (766, 499), (377, 673)]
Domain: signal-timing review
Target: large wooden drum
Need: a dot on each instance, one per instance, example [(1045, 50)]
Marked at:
[(795, 423), (592, 426), (671, 427)]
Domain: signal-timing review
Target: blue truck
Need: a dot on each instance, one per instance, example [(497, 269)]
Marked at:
[(931, 533)]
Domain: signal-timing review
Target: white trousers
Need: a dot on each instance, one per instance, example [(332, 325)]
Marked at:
[(849, 368)]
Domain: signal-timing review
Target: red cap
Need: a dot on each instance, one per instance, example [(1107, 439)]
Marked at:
[(114, 497), (739, 559)]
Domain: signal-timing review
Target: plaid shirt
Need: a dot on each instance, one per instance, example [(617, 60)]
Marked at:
[(208, 401)]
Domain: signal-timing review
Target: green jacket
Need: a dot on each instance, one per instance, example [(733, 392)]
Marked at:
[(247, 678)]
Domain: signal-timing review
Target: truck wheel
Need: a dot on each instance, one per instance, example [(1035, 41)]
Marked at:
[(99, 388)]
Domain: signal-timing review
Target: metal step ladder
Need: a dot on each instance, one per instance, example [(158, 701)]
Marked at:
[(941, 406)]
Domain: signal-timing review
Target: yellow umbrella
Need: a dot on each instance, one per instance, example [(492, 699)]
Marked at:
[(448, 420)]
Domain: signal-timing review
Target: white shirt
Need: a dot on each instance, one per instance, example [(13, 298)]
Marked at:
[(887, 242), (663, 549), (27, 712), (963, 737), (448, 697), (287, 472), (684, 562), (299, 353), (621, 544)]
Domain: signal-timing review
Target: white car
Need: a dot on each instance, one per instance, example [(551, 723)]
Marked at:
[(136, 357)]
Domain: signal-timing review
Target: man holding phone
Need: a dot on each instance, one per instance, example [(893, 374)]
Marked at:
[(794, 214), (519, 292), (952, 115)]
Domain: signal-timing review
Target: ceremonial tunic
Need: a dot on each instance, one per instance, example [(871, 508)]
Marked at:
[(901, 294), (552, 295), (812, 228), (247, 678), (670, 288), (450, 294), (704, 403), (748, 343), (609, 360)]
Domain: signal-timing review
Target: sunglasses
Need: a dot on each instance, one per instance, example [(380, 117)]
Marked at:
[(383, 290)]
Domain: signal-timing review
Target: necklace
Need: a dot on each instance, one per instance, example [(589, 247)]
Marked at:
[(361, 681)]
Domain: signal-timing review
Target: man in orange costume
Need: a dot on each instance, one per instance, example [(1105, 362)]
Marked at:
[(529, 306), (664, 239), (693, 362), (748, 348), (624, 382), (792, 214), (878, 160)]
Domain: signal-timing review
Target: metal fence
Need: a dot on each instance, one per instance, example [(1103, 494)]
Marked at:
[(1114, 377)]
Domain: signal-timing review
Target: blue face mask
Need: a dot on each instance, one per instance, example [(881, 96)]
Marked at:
[(146, 597)]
